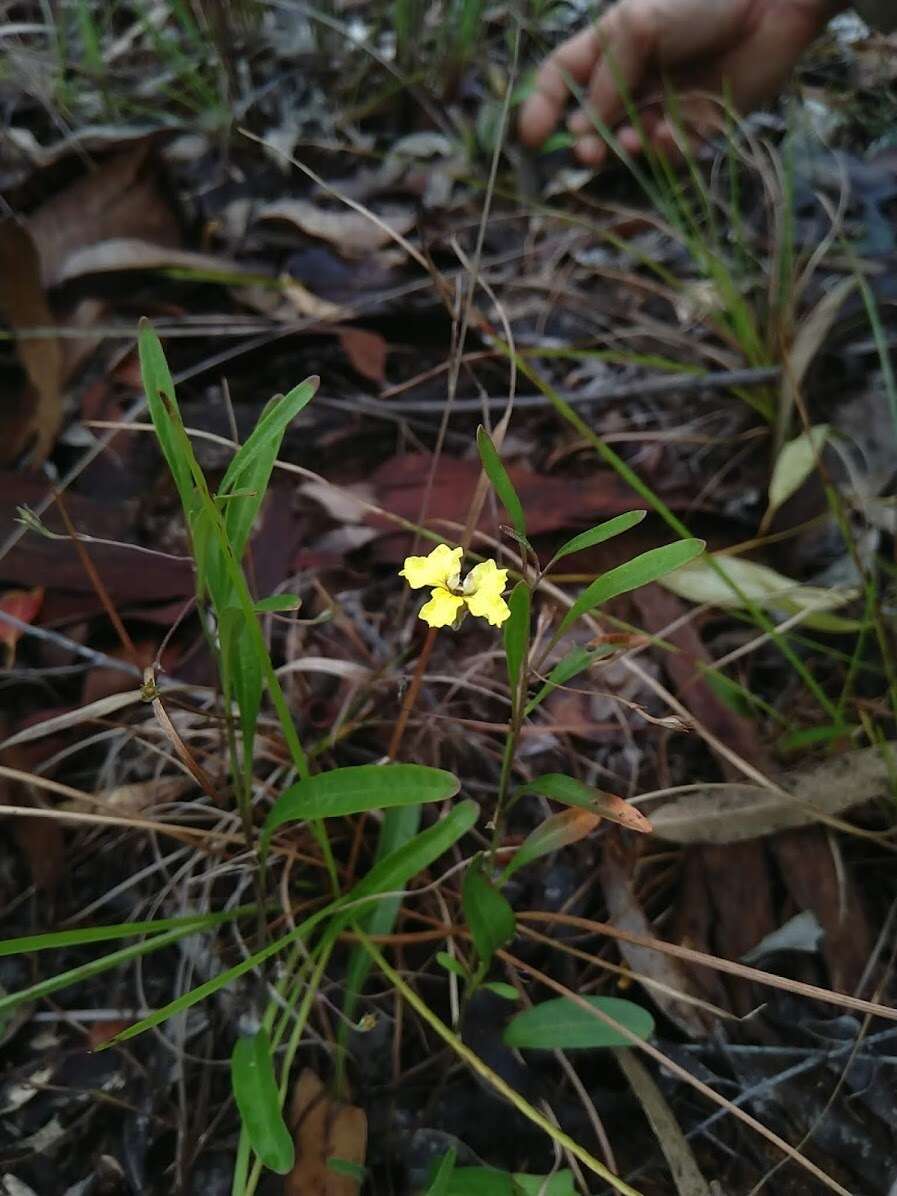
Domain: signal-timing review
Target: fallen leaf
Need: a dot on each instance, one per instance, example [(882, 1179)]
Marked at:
[(136, 797), (625, 912), (24, 605), (818, 882), (124, 197), (661, 613), (550, 502), (367, 351), (808, 340), (734, 813), (700, 582), (304, 303), (351, 233), (33, 418), (794, 464), (324, 1130), (134, 253)]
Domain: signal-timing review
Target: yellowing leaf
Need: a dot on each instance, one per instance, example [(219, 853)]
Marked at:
[(796, 462), (700, 582)]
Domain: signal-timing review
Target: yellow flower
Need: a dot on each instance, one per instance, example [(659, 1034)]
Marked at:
[(480, 592)]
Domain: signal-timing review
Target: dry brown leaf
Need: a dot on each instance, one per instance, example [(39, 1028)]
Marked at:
[(304, 303), (684, 1169), (33, 418), (136, 797), (134, 253), (348, 231), (323, 1129), (367, 351), (627, 914), (735, 813), (23, 605), (123, 198), (73, 718)]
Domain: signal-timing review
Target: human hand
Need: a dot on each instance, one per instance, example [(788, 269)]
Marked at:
[(747, 47)]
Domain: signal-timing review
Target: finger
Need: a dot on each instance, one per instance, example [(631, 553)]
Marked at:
[(542, 111), (628, 36), (591, 150)]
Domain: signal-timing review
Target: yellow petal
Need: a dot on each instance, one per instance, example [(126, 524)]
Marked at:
[(437, 569), (491, 607), (442, 609), (483, 587)]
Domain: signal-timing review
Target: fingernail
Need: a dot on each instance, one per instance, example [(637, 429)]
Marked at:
[(579, 123)]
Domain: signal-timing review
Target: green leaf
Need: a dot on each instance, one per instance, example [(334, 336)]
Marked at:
[(501, 482), (159, 388), (648, 566), (451, 964), (575, 662), (488, 914), (346, 1167), (795, 463), (277, 603), (418, 854), (701, 582), (251, 466), (258, 1100), (516, 634), (598, 534), (484, 1181), (560, 830), (387, 876), (506, 991), (241, 672), (439, 1184), (571, 792), (563, 1025), (357, 789), (399, 826), (120, 930)]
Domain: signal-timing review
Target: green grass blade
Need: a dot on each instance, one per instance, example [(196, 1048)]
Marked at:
[(597, 535)]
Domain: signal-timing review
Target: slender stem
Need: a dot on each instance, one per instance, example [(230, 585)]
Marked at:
[(411, 693)]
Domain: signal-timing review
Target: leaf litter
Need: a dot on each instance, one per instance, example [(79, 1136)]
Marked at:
[(109, 218)]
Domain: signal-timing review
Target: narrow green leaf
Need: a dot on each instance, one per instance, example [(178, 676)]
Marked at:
[(346, 1167), (572, 792), (563, 1025), (439, 1184), (560, 830), (389, 875), (87, 970), (575, 662), (501, 482), (159, 387), (484, 1181), (399, 826), (120, 930), (451, 964), (258, 1100), (357, 789), (598, 534), (419, 853), (516, 634), (277, 603), (250, 468), (506, 991), (794, 464), (648, 566), (488, 914)]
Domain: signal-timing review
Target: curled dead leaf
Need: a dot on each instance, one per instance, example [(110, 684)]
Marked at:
[(349, 231), (23, 605), (331, 1142)]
